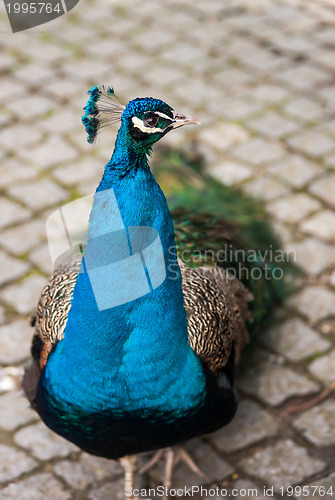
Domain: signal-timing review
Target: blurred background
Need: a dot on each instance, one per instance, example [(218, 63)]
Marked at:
[(260, 77)]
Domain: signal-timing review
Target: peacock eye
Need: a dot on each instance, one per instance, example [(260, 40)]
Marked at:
[(150, 120)]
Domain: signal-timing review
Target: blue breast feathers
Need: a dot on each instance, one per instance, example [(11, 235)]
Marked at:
[(119, 354)]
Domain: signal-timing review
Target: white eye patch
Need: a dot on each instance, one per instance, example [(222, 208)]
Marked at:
[(149, 130), (162, 115)]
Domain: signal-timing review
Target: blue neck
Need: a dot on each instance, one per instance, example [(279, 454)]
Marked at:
[(136, 354)]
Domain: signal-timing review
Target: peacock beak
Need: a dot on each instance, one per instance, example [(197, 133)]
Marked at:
[(180, 120)]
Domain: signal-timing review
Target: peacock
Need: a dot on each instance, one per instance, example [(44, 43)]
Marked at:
[(137, 335)]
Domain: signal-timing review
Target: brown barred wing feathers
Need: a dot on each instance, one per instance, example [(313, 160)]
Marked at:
[(216, 305), (50, 320)]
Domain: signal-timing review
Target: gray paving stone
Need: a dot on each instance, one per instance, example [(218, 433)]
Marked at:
[(61, 122), (329, 126), (323, 368), (318, 424), (295, 340), (242, 21), (75, 34), (325, 58), (326, 35), (9, 166), (294, 208), (297, 45), (63, 87), (230, 172), (303, 77), (265, 188), (238, 45), (43, 443), (11, 268), (13, 463), (40, 256), (135, 62), (78, 139), (31, 106), (312, 255), (268, 93), (305, 109), (84, 71), (322, 13), (19, 136), (223, 136), (24, 296), (284, 233), (196, 93), (312, 143), (15, 340), (10, 378), (34, 73), (84, 170), (324, 188), (40, 194), (2, 315), (321, 224), (315, 302), (328, 94), (273, 125), (6, 62), (328, 483), (295, 170), (164, 74), (47, 52), (183, 53), (250, 425), (233, 108), (5, 119), (54, 150), (275, 384), (102, 48), (114, 489), (283, 464), (22, 238), (87, 470), (260, 58), (11, 87), (37, 487), (15, 410), (231, 77), (12, 212), (258, 151)]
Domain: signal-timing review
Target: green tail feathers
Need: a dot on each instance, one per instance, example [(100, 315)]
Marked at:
[(221, 224)]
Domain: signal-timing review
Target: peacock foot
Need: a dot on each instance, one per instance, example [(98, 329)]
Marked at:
[(173, 456)]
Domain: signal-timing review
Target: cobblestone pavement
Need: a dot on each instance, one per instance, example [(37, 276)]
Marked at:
[(260, 77)]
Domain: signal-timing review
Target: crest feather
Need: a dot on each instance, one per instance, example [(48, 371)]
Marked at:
[(102, 110)]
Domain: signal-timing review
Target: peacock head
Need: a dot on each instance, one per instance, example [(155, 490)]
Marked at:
[(145, 120)]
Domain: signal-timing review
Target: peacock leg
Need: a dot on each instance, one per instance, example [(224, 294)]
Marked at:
[(173, 456), (152, 461), (129, 466), (182, 455)]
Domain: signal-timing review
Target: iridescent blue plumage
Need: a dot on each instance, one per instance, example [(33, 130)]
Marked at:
[(133, 383)]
